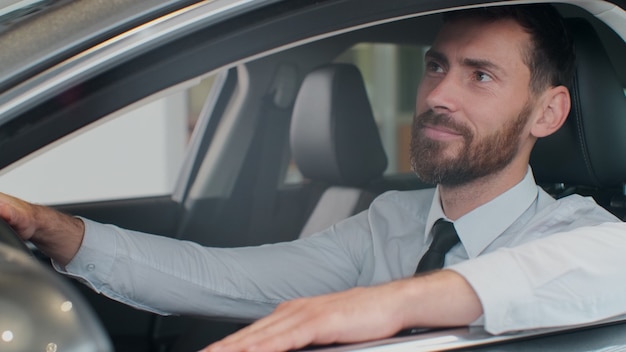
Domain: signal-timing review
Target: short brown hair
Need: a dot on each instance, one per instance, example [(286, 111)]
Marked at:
[(551, 59)]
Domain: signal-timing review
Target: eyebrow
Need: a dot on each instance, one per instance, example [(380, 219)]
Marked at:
[(436, 55), (481, 63), (475, 63)]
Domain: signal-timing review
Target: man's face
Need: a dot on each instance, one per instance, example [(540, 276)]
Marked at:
[(473, 104)]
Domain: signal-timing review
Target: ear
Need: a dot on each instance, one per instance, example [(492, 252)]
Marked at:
[(555, 106)]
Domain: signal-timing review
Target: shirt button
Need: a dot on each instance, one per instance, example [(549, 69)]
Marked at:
[(91, 267)]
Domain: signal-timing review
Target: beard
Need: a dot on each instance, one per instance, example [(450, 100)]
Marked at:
[(474, 159)]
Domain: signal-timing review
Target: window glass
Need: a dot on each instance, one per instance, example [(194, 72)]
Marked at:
[(136, 153)]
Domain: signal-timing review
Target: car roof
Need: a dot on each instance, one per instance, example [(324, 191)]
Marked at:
[(36, 34)]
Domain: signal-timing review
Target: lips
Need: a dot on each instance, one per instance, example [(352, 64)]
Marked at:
[(439, 134), (442, 129)]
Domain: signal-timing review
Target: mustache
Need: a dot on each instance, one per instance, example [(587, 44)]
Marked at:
[(431, 119)]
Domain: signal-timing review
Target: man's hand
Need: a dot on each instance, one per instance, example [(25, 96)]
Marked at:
[(19, 214), (54, 233), (361, 314), (341, 317)]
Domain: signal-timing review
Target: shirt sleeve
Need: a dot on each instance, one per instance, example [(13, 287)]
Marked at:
[(569, 278), (169, 276)]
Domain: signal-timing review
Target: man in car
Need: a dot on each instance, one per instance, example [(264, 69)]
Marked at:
[(496, 81)]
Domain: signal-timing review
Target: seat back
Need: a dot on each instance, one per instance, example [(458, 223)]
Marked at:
[(335, 140), (590, 149)]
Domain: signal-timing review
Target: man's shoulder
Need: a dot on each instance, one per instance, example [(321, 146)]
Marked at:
[(579, 201), (580, 210)]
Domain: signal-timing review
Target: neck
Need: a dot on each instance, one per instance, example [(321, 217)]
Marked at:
[(459, 200)]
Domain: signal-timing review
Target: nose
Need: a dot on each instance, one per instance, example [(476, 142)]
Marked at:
[(443, 94)]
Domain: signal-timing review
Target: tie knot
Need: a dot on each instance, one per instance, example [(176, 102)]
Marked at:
[(444, 236)]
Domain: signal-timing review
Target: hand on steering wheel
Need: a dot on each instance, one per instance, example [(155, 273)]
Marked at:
[(9, 237)]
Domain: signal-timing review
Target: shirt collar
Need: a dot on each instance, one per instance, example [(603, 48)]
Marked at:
[(478, 228)]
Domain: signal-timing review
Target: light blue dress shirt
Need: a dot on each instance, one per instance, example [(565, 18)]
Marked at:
[(384, 243), (569, 278)]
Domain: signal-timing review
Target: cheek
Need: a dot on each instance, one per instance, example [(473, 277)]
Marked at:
[(485, 120), (499, 121), (489, 112)]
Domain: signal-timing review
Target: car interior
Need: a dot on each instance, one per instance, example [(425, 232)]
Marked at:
[(587, 156), (303, 106)]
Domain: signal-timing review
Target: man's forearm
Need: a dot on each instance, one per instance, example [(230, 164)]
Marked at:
[(443, 298), (59, 235), (56, 234), (439, 299)]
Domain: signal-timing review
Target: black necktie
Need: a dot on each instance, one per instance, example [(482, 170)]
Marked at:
[(444, 238)]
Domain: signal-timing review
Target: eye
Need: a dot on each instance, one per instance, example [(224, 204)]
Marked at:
[(434, 67), (481, 76)]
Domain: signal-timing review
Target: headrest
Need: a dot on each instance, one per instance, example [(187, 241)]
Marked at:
[(590, 148), (334, 137)]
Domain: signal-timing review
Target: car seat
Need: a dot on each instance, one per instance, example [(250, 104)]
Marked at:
[(589, 151), (335, 141)]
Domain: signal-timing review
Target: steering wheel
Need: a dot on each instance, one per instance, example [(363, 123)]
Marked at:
[(9, 237)]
